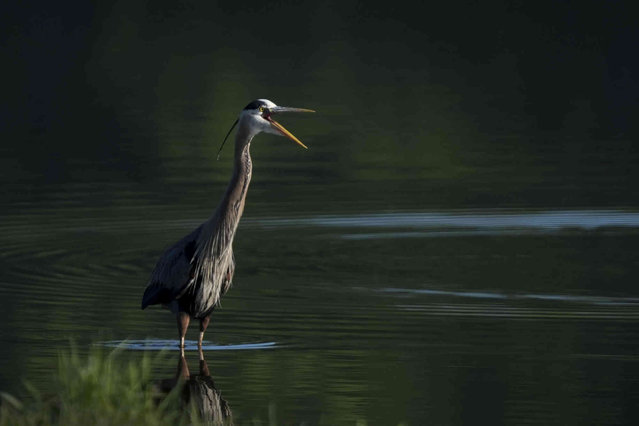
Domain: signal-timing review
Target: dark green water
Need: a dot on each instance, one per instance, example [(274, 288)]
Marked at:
[(458, 245)]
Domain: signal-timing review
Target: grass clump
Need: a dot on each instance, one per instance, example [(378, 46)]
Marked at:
[(99, 389)]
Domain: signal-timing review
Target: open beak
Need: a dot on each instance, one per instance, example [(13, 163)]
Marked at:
[(279, 127)]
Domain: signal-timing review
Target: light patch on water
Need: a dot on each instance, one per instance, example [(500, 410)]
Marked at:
[(592, 300), (473, 294), (428, 234), (462, 223), (499, 311), (189, 345)]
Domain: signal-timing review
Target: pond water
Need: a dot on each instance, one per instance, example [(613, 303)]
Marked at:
[(516, 316), (457, 246)]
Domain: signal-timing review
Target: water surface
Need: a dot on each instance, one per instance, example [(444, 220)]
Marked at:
[(526, 313)]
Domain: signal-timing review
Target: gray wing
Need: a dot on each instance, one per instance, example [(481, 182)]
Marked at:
[(173, 273)]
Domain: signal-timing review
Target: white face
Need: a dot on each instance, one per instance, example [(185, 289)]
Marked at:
[(255, 119)]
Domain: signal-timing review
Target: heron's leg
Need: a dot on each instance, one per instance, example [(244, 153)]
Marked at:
[(183, 367), (204, 368), (183, 320), (204, 322)]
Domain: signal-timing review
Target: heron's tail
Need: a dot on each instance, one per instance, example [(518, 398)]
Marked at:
[(153, 295)]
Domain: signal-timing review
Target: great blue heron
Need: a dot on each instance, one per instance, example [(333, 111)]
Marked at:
[(194, 273)]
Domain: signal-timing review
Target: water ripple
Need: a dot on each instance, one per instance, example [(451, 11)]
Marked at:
[(498, 311), (462, 223), (523, 306), (189, 345), (593, 300)]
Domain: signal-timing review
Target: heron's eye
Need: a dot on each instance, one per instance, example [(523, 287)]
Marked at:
[(261, 109)]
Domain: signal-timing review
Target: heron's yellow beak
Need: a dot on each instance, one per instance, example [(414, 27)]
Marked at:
[(280, 128), (286, 133)]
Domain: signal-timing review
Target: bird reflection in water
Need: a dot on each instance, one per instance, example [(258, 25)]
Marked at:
[(198, 392)]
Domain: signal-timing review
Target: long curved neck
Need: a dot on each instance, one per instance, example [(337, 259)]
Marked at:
[(232, 205), (215, 236)]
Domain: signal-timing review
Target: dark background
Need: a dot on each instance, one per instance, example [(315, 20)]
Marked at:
[(98, 79)]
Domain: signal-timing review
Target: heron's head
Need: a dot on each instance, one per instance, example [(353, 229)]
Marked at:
[(257, 117)]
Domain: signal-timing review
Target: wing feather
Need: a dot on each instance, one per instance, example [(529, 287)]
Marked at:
[(173, 273)]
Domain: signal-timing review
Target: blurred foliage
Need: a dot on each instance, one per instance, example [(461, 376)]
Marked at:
[(101, 389)]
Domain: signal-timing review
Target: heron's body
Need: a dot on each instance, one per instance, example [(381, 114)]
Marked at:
[(193, 274)]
